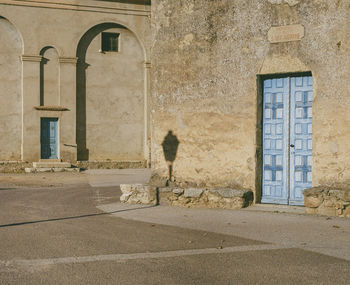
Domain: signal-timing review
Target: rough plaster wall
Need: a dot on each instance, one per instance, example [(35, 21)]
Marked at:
[(115, 100), (10, 92), (50, 78), (206, 58)]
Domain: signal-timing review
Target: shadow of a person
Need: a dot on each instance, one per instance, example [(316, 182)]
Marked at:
[(170, 145)]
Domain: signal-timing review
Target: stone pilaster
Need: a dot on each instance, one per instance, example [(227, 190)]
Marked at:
[(68, 145), (147, 111), (30, 98)]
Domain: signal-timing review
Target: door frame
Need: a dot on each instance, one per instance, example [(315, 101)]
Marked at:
[(259, 125), (58, 138)]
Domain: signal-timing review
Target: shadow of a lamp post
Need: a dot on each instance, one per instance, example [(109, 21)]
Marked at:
[(170, 145)]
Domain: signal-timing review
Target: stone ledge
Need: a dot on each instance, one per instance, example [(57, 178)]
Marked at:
[(225, 198), (112, 164), (328, 201), (51, 164), (51, 108), (191, 192)]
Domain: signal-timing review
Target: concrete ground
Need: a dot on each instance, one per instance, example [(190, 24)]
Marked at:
[(68, 228)]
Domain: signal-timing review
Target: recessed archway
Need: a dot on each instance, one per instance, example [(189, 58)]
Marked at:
[(49, 77), (110, 95), (10, 81)]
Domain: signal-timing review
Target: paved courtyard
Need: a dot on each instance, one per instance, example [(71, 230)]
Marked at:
[(71, 229)]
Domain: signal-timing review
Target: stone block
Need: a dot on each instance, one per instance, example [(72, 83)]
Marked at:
[(28, 170), (339, 205), (178, 191), (230, 198), (311, 211), (339, 212), (228, 193), (339, 194), (125, 188), (193, 192), (165, 189), (125, 197), (346, 213), (312, 201), (329, 203), (347, 195), (213, 197), (326, 211), (138, 194), (314, 191)]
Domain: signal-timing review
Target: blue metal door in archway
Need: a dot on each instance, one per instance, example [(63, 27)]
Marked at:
[(49, 138), (287, 139)]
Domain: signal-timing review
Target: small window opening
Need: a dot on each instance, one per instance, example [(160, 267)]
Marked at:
[(110, 42)]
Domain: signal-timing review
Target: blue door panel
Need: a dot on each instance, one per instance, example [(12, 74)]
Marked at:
[(301, 138), (275, 158), (49, 138), (287, 139)]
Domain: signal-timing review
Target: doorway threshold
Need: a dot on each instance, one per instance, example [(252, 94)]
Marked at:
[(277, 208)]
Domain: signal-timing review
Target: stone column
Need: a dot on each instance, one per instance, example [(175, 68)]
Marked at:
[(68, 145), (147, 111), (30, 98)]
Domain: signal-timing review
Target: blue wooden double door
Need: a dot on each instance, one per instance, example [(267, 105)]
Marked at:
[(287, 139), (49, 138)]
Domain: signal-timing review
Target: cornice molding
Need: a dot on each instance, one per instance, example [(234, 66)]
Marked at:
[(147, 64), (31, 58), (108, 7), (50, 108), (72, 60)]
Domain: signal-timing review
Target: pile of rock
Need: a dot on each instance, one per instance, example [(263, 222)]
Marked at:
[(327, 201), (224, 198)]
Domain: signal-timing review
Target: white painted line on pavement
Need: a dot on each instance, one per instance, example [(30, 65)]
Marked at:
[(134, 256)]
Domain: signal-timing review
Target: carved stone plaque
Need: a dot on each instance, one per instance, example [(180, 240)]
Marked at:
[(288, 33)]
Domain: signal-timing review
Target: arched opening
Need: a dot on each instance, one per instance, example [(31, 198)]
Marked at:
[(10, 81), (110, 94), (49, 77)]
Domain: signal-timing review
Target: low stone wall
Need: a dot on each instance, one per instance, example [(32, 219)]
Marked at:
[(111, 164), (13, 166), (327, 201), (19, 166), (186, 197)]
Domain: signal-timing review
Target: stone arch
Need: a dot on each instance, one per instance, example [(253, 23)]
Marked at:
[(11, 49), (111, 22), (49, 77), (110, 96)]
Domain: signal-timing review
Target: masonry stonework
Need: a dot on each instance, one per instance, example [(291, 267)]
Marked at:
[(207, 60), (183, 93)]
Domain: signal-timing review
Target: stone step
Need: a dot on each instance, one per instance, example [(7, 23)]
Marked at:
[(51, 164), (53, 169)]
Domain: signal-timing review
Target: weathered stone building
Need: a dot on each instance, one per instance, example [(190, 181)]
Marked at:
[(256, 93), (241, 94), (74, 80)]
